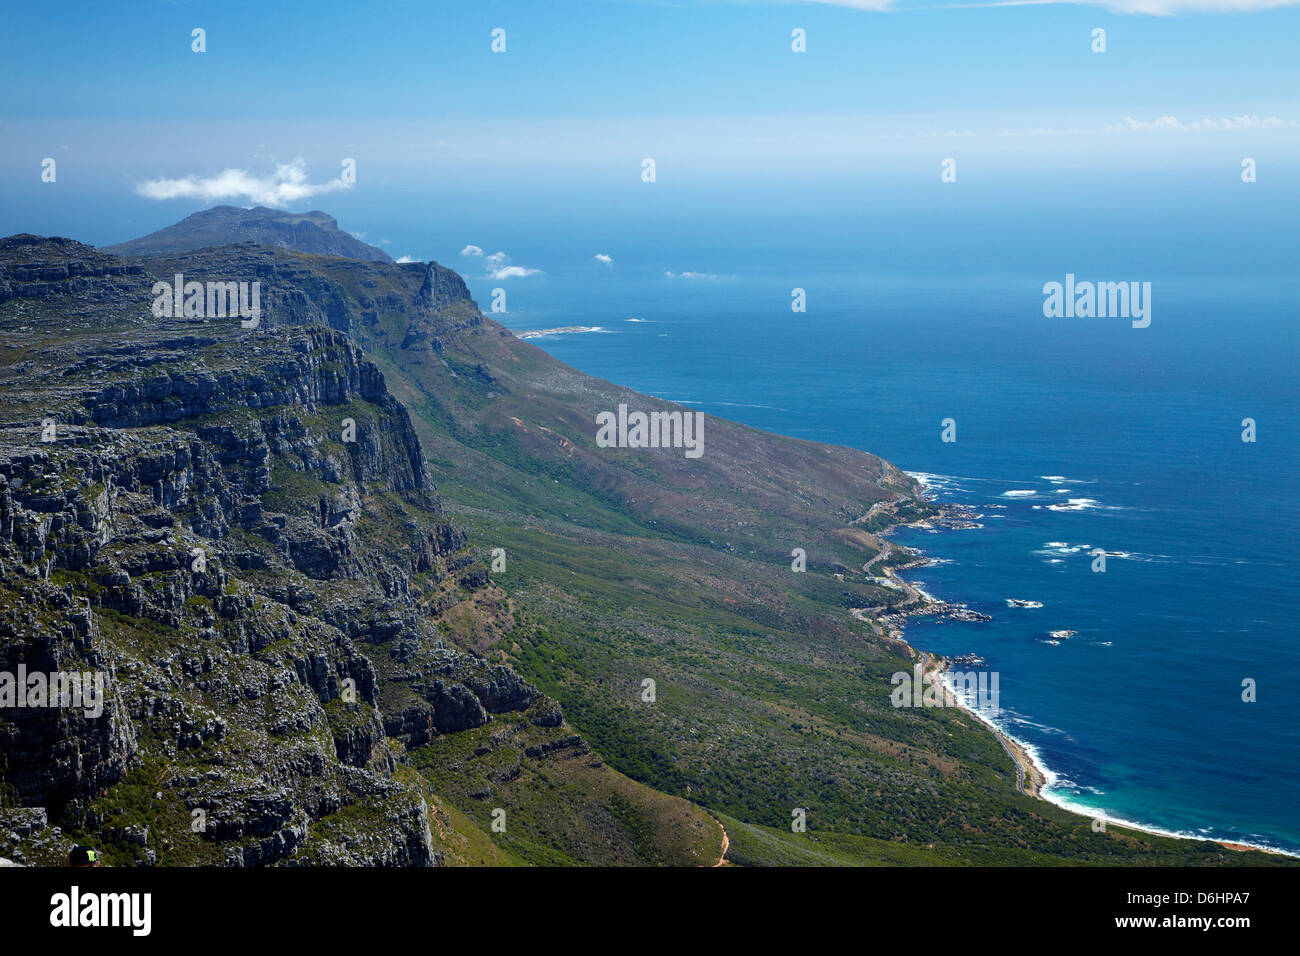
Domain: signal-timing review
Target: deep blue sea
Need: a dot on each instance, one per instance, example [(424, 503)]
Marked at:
[(1072, 434)]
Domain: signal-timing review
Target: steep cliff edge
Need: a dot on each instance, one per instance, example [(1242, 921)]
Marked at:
[(236, 530)]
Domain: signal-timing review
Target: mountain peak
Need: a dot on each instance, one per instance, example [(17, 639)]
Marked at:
[(313, 232)]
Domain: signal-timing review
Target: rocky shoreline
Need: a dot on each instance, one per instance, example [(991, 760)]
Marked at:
[(1032, 777), (890, 619)]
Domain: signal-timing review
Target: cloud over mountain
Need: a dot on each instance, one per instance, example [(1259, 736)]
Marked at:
[(288, 183)]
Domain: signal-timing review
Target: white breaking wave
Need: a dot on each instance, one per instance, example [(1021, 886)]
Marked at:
[(1061, 547), (1076, 504), (937, 482)]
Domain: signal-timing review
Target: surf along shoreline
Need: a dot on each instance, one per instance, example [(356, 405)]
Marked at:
[(1034, 778)]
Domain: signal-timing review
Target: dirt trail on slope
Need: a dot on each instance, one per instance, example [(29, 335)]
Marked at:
[(726, 842)]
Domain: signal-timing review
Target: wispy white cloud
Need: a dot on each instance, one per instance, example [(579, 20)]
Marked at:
[(286, 184), (857, 4), (1131, 125), (513, 272), (607, 260), (471, 251), (689, 275), (1227, 124), (1039, 131), (498, 266), (406, 259)]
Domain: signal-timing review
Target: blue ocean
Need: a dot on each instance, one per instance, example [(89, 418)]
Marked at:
[(1071, 435)]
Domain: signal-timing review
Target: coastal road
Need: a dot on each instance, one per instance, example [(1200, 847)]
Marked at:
[(878, 559), (1020, 770), (912, 595), (871, 512), (864, 614)]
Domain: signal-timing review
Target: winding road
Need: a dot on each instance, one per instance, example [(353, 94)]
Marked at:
[(912, 597)]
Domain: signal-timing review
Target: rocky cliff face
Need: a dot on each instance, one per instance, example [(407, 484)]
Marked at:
[(35, 267), (235, 528)]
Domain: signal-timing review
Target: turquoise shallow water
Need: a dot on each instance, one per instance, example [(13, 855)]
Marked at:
[(1071, 435)]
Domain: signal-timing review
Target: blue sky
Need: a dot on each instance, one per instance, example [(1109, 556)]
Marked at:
[(615, 58), (559, 123)]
